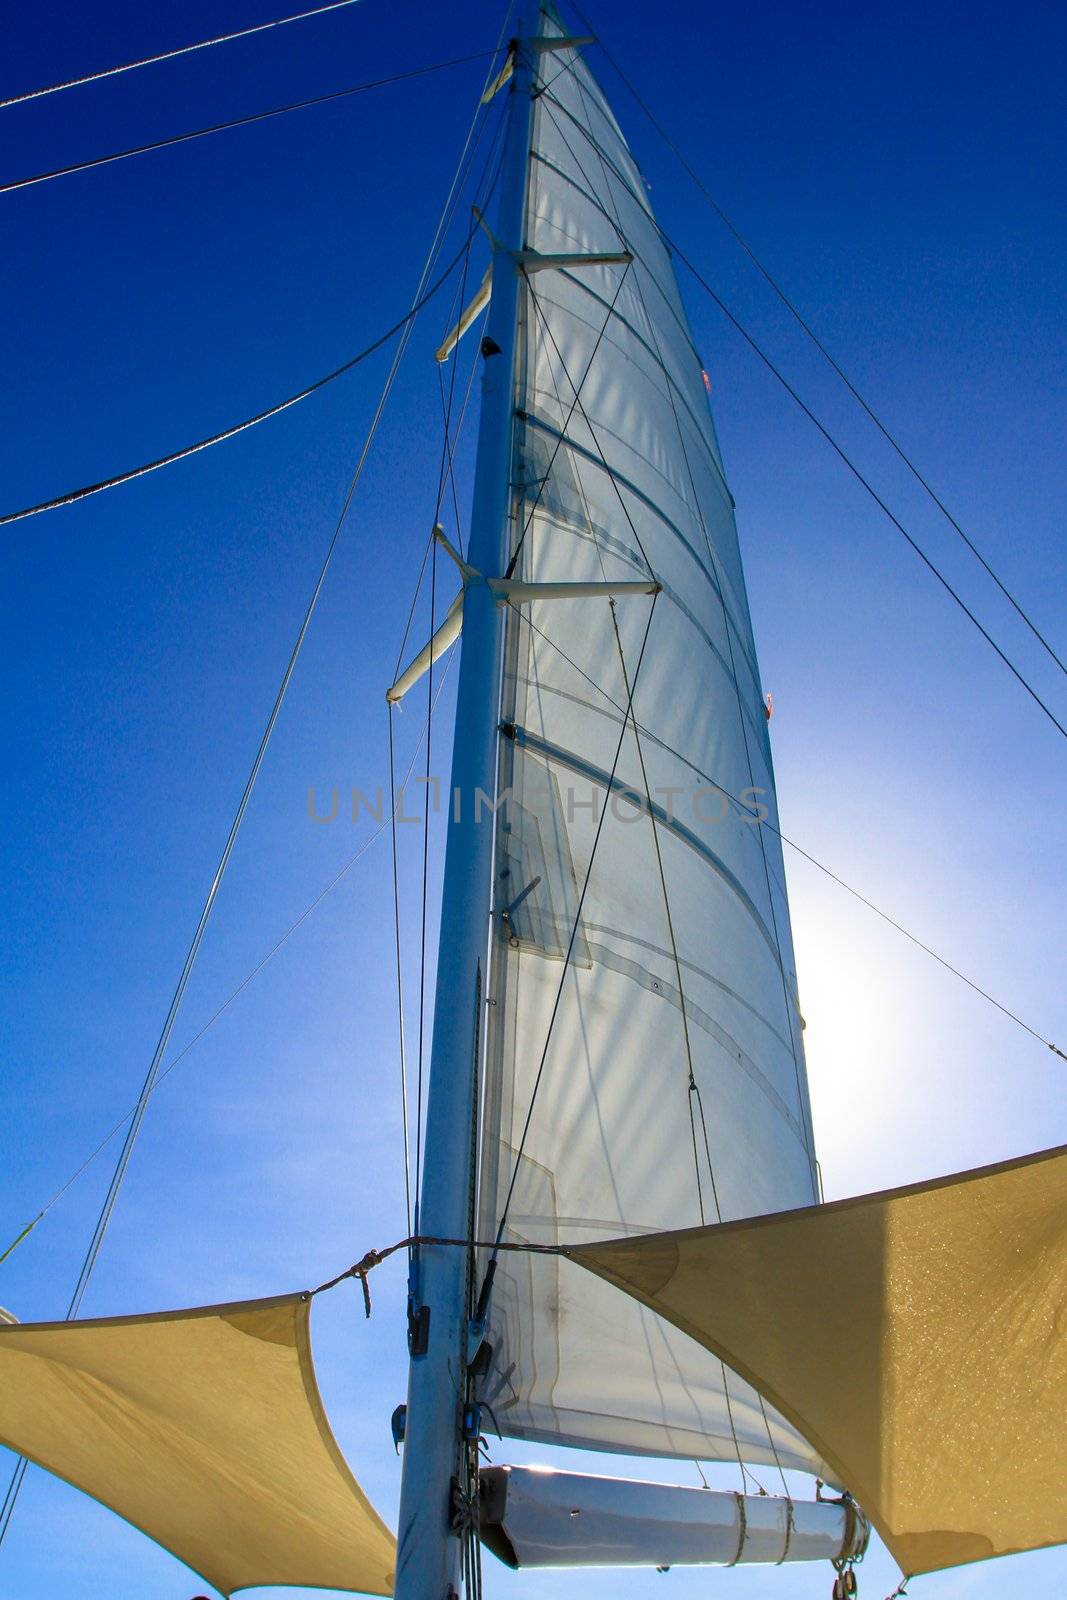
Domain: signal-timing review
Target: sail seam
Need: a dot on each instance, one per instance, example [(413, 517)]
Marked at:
[(616, 223), (630, 792), (597, 534), (544, 426), (806, 327), (566, 966), (669, 378), (801, 1096), (568, 178), (847, 460), (693, 1088), (561, 438), (815, 862), (748, 814)]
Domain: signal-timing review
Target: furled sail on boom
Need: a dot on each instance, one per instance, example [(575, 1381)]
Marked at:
[(645, 1069)]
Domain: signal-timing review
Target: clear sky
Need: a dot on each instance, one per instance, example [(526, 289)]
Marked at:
[(896, 166)]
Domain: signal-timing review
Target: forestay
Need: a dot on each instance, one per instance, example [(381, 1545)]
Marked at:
[(673, 1089)]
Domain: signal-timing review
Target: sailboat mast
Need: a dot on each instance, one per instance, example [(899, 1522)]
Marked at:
[(429, 1554)]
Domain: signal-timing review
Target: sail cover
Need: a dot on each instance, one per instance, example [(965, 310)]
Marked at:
[(204, 1429), (917, 1336), (643, 997)]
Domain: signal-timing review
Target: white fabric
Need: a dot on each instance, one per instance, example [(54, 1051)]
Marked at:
[(610, 1148)]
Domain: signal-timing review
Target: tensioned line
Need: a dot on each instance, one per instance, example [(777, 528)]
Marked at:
[(765, 822), (323, 893), (170, 55), (462, 172), (822, 428), (729, 632), (692, 1088), (238, 122), (616, 222), (478, 121), (72, 496), (810, 333), (152, 1076), (402, 327), (233, 995), (570, 943)]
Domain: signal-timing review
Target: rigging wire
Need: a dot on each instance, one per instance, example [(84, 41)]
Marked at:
[(752, 814), (410, 1191), (484, 189), (234, 994), (74, 495), (694, 1097), (401, 1031), (693, 1088), (401, 1024), (442, 481), (729, 629), (809, 331), (694, 1101), (823, 430), (570, 942), (425, 888), (239, 122), (536, 501), (323, 893), (765, 822), (169, 55), (152, 1076)]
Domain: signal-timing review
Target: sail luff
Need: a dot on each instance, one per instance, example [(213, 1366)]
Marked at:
[(654, 1076), (428, 1557)]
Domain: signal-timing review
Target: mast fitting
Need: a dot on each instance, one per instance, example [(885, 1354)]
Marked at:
[(536, 261), (544, 44), (444, 636), (541, 45), (466, 570), (507, 591), (472, 310), (511, 590)]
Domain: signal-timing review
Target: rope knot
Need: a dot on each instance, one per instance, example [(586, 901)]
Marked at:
[(373, 1258)]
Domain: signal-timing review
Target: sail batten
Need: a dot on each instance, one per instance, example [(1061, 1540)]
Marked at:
[(644, 1064)]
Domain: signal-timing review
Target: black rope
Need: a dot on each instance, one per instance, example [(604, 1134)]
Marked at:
[(446, 216), (74, 495), (7, 1509), (809, 331), (827, 435), (235, 122), (155, 1065)]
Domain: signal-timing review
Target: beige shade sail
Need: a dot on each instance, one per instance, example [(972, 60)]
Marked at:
[(916, 1338), (205, 1429)]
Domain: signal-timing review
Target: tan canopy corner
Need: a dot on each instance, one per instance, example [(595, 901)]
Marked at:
[(916, 1338), (205, 1429)]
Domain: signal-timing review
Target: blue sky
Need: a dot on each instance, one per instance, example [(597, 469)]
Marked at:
[(895, 167)]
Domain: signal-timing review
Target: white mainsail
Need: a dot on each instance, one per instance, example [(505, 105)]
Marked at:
[(662, 1067)]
